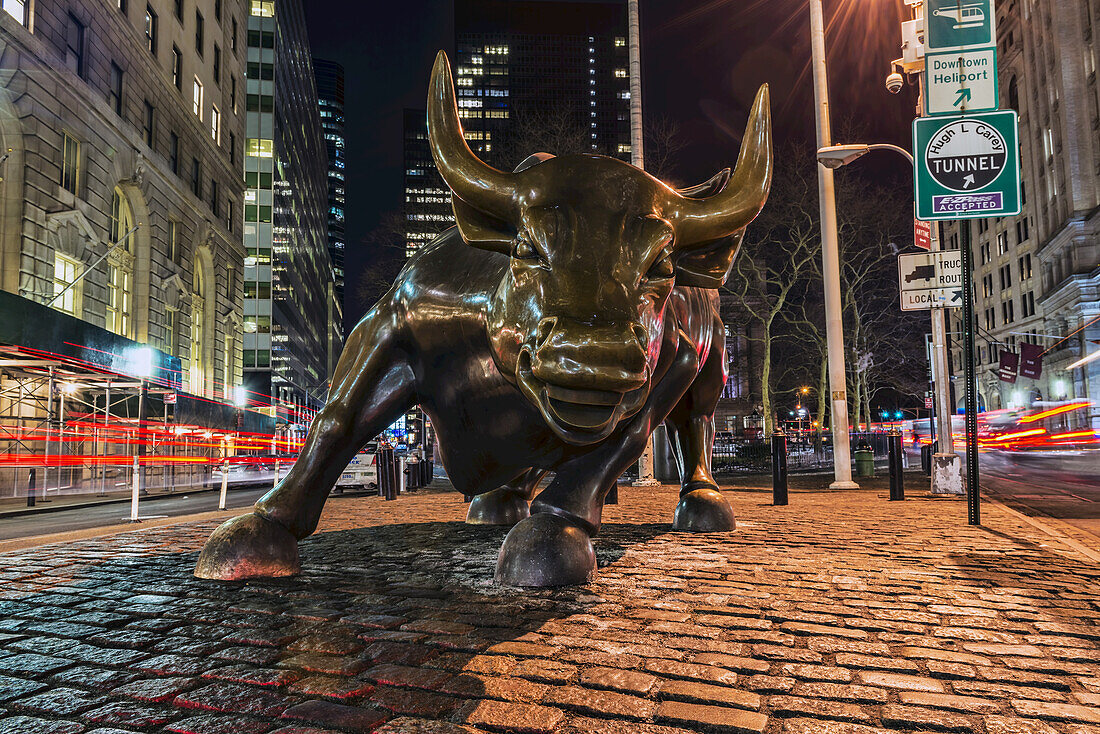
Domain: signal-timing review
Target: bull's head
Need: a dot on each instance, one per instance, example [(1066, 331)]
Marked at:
[(596, 246)]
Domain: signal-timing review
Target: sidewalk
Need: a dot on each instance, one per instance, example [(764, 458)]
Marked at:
[(841, 613)]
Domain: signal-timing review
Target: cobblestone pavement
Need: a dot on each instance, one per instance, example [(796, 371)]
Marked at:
[(839, 614)]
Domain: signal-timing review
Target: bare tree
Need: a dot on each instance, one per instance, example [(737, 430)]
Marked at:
[(386, 245), (782, 248), (663, 143), (558, 131)]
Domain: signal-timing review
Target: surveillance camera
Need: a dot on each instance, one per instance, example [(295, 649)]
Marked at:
[(894, 83)]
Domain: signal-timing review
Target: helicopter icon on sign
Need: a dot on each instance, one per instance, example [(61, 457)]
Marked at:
[(965, 16)]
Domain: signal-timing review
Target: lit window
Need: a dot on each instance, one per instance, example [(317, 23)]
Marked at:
[(16, 9), (620, 41), (150, 30), (263, 8), (620, 73), (70, 163), (259, 147), (197, 98), (65, 272), (122, 217), (215, 124), (119, 295), (177, 68)]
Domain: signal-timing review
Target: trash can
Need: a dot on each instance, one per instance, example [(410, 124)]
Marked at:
[(865, 460)]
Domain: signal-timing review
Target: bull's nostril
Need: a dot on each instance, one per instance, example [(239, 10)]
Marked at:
[(642, 335), (545, 328)]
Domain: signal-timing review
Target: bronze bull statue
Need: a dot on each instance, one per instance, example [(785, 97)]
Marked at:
[(572, 309)]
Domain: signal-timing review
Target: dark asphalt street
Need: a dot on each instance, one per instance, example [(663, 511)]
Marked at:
[(83, 518)]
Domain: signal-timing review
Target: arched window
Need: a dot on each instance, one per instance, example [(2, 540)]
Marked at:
[(120, 267), (1013, 94), (197, 382)]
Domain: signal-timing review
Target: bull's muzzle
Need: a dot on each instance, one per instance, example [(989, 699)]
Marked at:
[(584, 378)]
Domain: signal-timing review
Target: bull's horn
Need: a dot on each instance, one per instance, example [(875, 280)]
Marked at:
[(705, 220), (471, 179)]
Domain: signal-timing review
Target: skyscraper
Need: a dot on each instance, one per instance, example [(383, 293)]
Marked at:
[(530, 76), (330, 99), (288, 270), (551, 74)]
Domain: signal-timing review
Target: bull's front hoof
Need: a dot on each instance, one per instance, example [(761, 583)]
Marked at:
[(546, 550), (248, 547), (703, 511), (498, 507)]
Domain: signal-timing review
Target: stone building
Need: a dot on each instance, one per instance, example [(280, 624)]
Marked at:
[(122, 123), (1036, 276)]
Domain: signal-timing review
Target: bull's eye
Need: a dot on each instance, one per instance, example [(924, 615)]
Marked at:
[(661, 270), (524, 250)]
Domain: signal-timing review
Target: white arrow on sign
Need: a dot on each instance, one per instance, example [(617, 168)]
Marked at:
[(968, 181)]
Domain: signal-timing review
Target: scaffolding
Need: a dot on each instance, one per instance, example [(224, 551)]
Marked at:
[(67, 427)]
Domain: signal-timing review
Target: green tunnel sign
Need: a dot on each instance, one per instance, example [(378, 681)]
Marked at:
[(967, 166)]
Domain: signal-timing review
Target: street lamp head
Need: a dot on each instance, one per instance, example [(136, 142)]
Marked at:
[(835, 156)]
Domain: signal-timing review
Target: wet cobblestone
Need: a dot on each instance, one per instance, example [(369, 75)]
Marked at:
[(841, 613)]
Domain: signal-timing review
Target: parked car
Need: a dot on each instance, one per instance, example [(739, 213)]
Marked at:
[(361, 472)]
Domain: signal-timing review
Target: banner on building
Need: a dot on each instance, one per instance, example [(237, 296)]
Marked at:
[(1010, 362), (1031, 360)]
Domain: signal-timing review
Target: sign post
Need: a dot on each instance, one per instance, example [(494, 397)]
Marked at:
[(966, 165)]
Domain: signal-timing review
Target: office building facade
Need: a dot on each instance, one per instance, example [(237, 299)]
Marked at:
[(1036, 275), (530, 77), (330, 98), (288, 271), (121, 188)]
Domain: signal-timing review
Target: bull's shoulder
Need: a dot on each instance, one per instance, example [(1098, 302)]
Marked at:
[(449, 271), (696, 311)]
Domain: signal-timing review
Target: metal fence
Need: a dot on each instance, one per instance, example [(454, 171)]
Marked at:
[(753, 455)]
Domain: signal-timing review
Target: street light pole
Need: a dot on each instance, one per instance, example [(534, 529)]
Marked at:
[(637, 158), (830, 256)]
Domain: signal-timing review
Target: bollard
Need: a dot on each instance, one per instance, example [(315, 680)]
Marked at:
[(135, 490), (275, 483), (402, 465), (412, 475), (387, 481), (897, 477), (779, 468), (225, 484), (31, 482)]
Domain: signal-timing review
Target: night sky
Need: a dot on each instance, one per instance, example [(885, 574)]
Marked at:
[(702, 62)]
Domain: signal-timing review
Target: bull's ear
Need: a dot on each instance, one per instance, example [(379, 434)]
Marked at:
[(482, 230), (716, 184), (708, 266)]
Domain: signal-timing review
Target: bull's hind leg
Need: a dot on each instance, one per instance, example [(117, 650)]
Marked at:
[(373, 385), (702, 508), (505, 505)]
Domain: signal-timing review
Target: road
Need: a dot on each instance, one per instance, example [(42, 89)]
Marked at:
[(1062, 484), (83, 518)]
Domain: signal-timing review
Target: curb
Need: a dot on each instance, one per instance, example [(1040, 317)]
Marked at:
[(1048, 525), (99, 503)]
